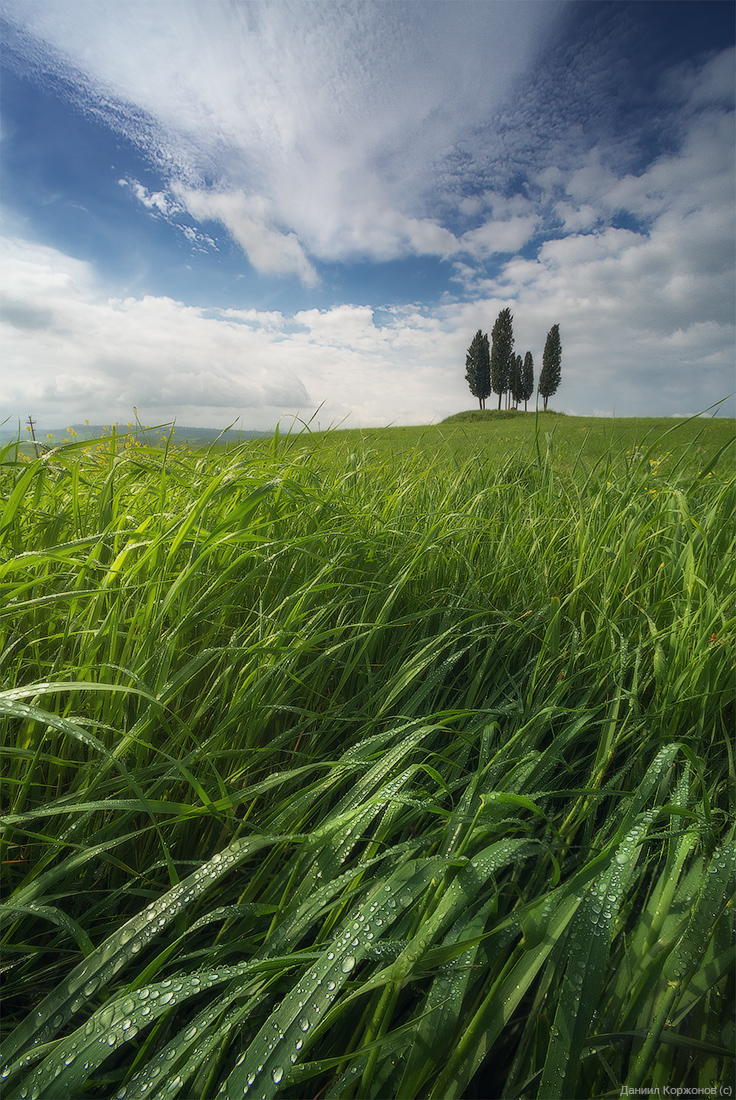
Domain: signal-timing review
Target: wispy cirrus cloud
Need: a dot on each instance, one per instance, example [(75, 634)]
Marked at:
[(305, 129)]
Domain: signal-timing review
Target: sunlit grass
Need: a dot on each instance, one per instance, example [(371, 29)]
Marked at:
[(337, 767)]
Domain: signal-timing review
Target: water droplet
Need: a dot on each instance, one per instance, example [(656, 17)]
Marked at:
[(277, 1073), (304, 1023), (347, 964)]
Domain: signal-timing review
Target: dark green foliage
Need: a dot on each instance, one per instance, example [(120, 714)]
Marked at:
[(551, 374), (527, 379), (502, 353), (478, 368), (516, 379)]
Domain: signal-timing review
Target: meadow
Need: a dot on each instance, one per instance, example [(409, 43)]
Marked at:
[(389, 764)]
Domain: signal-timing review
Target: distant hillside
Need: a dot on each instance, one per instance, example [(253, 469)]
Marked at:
[(51, 437)]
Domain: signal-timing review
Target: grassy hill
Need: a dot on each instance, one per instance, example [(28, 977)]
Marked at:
[(576, 442)]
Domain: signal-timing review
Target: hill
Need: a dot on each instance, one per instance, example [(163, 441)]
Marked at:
[(200, 436)]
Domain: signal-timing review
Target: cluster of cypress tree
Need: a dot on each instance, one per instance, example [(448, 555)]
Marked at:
[(495, 368)]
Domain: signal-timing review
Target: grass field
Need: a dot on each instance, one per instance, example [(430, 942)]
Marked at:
[(383, 764)]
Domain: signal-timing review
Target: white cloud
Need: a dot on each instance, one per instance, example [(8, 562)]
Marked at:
[(575, 218), (163, 204), (500, 236), (153, 200), (704, 86), (88, 356), (251, 221)]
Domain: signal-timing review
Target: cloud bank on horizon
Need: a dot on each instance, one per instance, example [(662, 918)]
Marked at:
[(220, 210)]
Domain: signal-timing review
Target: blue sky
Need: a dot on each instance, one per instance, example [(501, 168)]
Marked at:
[(222, 211)]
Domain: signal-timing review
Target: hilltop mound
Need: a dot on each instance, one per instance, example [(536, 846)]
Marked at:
[(471, 415)]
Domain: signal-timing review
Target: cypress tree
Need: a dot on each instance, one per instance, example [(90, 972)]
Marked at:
[(502, 353), (516, 381), (527, 379), (478, 368), (551, 374)]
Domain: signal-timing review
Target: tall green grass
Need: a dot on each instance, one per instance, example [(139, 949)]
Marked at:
[(331, 772)]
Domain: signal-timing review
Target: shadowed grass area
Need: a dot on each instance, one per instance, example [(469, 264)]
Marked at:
[(337, 767)]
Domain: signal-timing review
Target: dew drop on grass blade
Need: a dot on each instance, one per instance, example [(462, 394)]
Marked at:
[(123, 947), (290, 1028)]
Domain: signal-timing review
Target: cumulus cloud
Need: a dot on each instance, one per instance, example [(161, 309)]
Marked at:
[(494, 237), (88, 355), (84, 355)]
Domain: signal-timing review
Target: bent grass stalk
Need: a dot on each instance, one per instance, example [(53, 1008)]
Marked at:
[(339, 768)]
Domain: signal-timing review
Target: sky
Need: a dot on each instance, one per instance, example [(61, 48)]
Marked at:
[(246, 211)]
